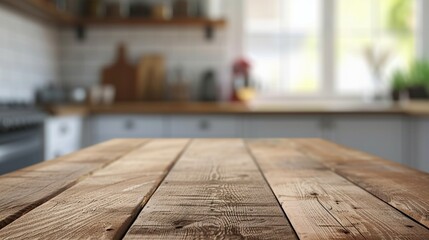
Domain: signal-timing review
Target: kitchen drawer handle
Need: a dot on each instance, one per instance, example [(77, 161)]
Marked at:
[(327, 124), (64, 129), (129, 125), (204, 125)]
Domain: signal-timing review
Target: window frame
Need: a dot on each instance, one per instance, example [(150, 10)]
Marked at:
[(328, 37)]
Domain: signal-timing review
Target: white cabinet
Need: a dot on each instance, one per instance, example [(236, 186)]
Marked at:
[(421, 145), (386, 136), (204, 126), (382, 136), (106, 127), (63, 135), (282, 127)]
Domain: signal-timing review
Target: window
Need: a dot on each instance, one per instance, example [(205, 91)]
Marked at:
[(287, 42)]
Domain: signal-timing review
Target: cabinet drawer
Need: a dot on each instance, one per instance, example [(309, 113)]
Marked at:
[(64, 129), (380, 136), (107, 127), (282, 127), (204, 127), (62, 136)]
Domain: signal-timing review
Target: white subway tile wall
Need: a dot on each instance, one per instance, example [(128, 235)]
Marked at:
[(29, 54), (33, 54), (187, 48)]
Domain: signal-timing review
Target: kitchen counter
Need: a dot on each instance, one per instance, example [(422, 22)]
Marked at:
[(206, 188), (413, 109)]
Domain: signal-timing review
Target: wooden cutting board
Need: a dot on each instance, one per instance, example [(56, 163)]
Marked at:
[(151, 78), (122, 75)]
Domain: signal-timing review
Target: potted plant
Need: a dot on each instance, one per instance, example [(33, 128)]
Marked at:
[(399, 84), (415, 82), (419, 80)]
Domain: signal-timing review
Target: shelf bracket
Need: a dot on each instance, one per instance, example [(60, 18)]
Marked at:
[(80, 32), (209, 31)]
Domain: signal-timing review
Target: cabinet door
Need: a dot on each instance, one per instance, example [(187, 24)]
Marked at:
[(63, 135), (377, 135), (106, 127), (422, 143), (199, 126), (282, 127)]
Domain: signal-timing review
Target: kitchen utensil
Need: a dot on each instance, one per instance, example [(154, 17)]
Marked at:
[(113, 9), (139, 9), (96, 95), (151, 78), (121, 75), (180, 9), (108, 94), (77, 95), (179, 90), (160, 11), (208, 91)]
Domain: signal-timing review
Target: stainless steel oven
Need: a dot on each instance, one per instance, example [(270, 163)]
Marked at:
[(21, 137)]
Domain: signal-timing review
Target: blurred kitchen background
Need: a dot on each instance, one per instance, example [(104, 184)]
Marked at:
[(74, 73)]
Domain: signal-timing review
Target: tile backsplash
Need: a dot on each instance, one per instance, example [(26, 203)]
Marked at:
[(29, 54), (33, 54), (186, 48)]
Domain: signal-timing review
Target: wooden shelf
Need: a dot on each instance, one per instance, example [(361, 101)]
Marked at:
[(47, 11), (42, 9), (182, 22)]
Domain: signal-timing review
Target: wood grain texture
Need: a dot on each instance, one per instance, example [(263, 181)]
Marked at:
[(323, 205), (23, 190), (104, 204), (215, 191), (404, 188)]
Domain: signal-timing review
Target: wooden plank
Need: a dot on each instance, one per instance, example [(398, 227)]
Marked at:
[(404, 188), (321, 204), (215, 191), (23, 190), (103, 205)]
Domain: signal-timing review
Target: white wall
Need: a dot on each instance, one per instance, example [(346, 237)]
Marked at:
[(33, 54), (28, 55)]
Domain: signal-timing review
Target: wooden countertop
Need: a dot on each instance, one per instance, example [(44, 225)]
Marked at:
[(414, 109), (215, 189)]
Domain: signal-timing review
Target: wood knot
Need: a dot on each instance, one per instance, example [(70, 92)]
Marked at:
[(179, 224), (108, 229), (314, 194), (409, 226), (345, 231)]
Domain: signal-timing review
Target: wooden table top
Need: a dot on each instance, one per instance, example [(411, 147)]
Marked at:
[(215, 189)]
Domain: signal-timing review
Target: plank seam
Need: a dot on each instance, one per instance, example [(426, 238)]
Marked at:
[(334, 171), (352, 182), (10, 219), (140, 207), (249, 151)]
